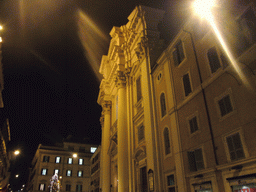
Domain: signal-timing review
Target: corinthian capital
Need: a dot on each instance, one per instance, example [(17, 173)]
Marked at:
[(120, 79), (106, 106)]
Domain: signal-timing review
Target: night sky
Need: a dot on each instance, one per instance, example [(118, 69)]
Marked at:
[(51, 55)]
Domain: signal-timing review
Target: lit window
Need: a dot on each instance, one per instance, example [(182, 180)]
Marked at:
[(170, 183), (81, 161), (79, 187), (70, 160), (80, 174), (235, 147), (178, 53), (57, 160), (44, 172), (193, 125), (195, 159), (46, 158), (56, 171), (186, 84), (69, 173), (93, 149), (163, 105), (225, 105), (167, 145), (41, 187), (213, 59), (138, 85)]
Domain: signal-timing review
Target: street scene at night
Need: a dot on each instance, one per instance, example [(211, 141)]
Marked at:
[(128, 96)]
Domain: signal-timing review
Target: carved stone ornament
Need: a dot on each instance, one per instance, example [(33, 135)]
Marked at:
[(139, 51), (106, 106), (120, 79)]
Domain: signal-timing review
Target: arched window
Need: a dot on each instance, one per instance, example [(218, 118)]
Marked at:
[(163, 105), (167, 145)]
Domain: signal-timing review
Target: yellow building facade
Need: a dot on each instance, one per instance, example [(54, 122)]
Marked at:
[(187, 117)]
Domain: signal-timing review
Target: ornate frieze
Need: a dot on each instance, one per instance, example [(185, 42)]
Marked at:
[(106, 106), (120, 79)]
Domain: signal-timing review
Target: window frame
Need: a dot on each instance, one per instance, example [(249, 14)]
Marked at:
[(161, 106), (138, 132), (176, 53), (68, 187), (170, 186), (194, 115), (138, 89), (242, 139), (81, 189), (190, 85), (42, 184), (79, 161), (218, 98), (69, 170), (164, 142), (211, 65), (80, 171), (46, 158), (68, 162), (203, 159), (42, 170), (57, 158)]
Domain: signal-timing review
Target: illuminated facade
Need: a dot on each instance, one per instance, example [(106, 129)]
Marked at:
[(95, 171), (73, 171), (188, 116)]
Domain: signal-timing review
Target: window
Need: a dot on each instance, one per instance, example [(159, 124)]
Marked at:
[(57, 171), (44, 171), (167, 145), (163, 105), (247, 24), (186, 84), (138, 85), (68, 187), (79, 173), (81, 161), (225, 105), (193, 125), (93, 149), (42, 187), (178, 53), (70, 160), (170, 183), (140, 132), (46, 158), (195, 159), (235, 147), (69, 173), (213, 59), (79, 187), (57, 160)]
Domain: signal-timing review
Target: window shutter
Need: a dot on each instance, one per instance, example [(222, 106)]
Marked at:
[(213, 59), (199, 159), (191, 160), (175, 57), (186, 83)]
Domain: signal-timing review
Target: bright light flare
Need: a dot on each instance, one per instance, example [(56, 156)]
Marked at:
[(17, 152), (75, 155), (1, 40), (17, 176), (1, 27), (230, 56), (203, 8)]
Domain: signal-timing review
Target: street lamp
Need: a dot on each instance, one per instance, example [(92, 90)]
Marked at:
[(17, 152), (75, 155), (17, 175)]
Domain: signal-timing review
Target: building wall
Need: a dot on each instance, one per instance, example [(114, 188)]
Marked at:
[(64, 153)]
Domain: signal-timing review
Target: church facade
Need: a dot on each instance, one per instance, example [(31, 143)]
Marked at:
[(183, 118)]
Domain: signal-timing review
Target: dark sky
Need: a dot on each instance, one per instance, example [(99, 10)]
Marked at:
[(51, 51)]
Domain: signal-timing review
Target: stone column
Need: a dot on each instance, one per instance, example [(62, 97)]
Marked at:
[(105, 159), (122, 141)]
